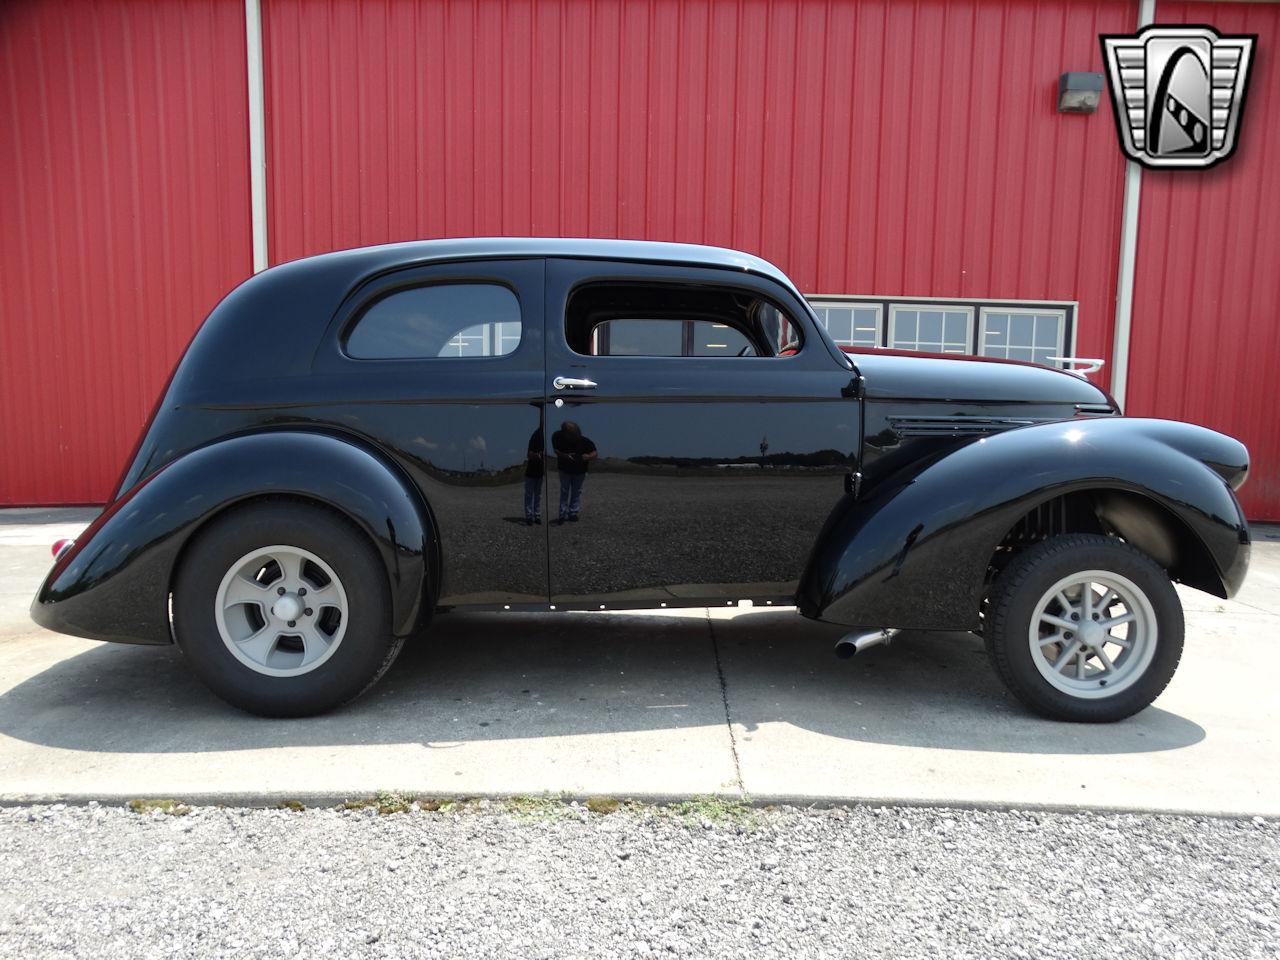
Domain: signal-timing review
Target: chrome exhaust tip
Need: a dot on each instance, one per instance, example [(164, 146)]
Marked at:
[(860, 640)]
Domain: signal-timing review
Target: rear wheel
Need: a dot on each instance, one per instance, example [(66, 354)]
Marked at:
[(282, 609), (1084, 628)]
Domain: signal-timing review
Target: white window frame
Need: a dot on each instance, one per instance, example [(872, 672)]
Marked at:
[(937, 307), (841, 303), (977, 308), (1061, 350)]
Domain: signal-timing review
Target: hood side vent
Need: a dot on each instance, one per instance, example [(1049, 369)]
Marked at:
[(1095, 410), (960, 426)]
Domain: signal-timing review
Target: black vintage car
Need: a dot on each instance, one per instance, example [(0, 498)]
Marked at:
[(356, 441)]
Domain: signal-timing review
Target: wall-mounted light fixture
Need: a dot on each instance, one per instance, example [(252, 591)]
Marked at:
[(1079, 92)]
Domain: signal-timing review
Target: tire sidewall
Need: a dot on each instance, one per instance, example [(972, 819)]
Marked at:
[(1026, 583), (366, 643)]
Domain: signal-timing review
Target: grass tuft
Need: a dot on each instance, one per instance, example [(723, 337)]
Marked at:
[(534, 808), (168, 807), (717, 810), (385, 802)]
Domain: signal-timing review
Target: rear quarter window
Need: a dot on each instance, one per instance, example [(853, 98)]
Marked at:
[(439, 320)]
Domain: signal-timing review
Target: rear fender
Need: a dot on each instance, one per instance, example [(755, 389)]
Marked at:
[(114, 583), (915, 553)]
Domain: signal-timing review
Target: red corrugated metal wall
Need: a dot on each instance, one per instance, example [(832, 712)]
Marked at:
[(1206, 322), (895, 148), (125, 211), (865, 147)]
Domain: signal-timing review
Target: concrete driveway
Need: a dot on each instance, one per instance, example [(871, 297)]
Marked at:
[(725, 702)]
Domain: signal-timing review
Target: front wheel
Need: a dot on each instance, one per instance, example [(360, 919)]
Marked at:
[(1084, 628), (282, 609)]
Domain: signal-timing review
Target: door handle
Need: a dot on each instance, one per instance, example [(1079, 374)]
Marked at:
[(573, 383)]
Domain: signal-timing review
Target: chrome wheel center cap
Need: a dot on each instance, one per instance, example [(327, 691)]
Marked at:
[(287, 607)]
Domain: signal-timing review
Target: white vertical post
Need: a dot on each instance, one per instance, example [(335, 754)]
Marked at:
[(1128, 255), (257, 133)]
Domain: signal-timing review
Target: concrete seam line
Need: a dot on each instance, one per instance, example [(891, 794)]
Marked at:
[(724, 699)]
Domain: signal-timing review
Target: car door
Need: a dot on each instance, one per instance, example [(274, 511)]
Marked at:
[(441, 367), (698, 432)]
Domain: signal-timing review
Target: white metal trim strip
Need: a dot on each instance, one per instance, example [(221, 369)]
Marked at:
[(1129, 214), (257, 133)]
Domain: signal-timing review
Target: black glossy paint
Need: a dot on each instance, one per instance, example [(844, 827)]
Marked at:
[(114, 583), (914, 551), (714, 473), (717, 479), (902, 375)]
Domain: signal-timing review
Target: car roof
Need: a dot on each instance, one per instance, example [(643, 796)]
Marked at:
[(428, 251), (290, 304)]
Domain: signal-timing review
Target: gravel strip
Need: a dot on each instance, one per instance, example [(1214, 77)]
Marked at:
[(545, 879)]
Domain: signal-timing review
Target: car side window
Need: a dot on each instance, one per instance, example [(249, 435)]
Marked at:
[(628, 319), (645, 337), (439, 320)]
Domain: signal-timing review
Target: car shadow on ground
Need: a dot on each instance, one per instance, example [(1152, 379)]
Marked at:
[(516, 676)]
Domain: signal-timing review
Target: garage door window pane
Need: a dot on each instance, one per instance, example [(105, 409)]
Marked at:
[(1048, 331), (1023, 335), (849, 324), (839, 323), (444, 320), (930, 329), (905, 326)]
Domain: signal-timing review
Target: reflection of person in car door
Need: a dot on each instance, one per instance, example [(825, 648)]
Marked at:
[(534, 468), (573, 453)]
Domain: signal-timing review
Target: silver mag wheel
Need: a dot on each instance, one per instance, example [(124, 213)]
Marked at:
[(1093, 634), (281, 611)]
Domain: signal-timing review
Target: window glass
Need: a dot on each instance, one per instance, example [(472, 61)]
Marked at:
[(904, 328), (1032, 332), (1033, 336), (778, 330), (1048, 331), (849, 324), (931, 329), (669, 319), (719, 340), (637, 337), (443, 320)]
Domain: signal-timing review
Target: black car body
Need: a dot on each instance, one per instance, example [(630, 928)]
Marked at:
[(873, 488)]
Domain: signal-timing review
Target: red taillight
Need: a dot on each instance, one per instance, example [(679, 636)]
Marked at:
[(60, 547)]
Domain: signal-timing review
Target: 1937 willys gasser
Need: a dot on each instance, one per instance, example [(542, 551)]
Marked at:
[(357, 440)]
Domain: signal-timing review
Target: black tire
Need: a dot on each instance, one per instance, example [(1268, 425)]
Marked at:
[(1026, 579), (367, 648)]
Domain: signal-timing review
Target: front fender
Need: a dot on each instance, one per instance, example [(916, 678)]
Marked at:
[(914, 554), (113, 584)]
